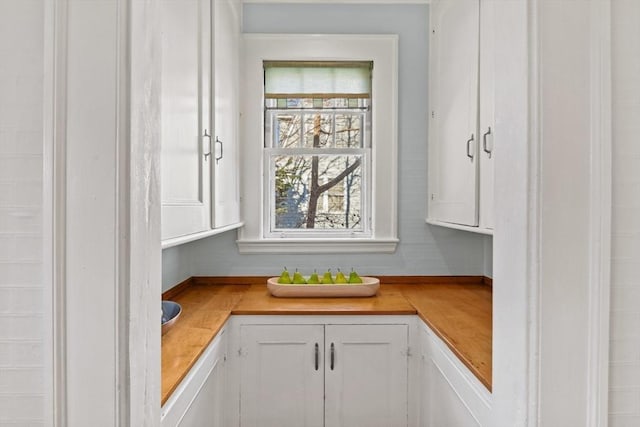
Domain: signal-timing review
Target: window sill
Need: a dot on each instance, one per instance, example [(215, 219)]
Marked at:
[(316, 246)]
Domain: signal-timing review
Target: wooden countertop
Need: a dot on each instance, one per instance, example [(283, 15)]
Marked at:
[(457, 309)]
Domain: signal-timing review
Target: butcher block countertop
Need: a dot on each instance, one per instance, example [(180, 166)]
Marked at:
[(457, 309)]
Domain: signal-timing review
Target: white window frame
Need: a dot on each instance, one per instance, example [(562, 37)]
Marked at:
[(383, 51)]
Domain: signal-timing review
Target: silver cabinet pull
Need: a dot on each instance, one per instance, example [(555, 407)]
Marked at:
[(206, 135), (469, 146), (221, 153), (333, 356), (484, 142), (317, 357)]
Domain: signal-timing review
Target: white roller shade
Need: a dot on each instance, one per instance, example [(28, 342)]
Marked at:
[(317, 79)]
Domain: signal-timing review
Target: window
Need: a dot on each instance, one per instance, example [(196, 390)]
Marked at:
[(317, 148), (319, 144)]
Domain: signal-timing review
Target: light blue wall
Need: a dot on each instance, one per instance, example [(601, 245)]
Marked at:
[(423, 249)]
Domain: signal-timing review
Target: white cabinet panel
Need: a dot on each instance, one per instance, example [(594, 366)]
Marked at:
[(449, 393), (366, 375), (462, 125), (185, 112), (323, 375), (453, 154), (226, 112), (199, 399), (280, 385), (200, 118), (486, 123)]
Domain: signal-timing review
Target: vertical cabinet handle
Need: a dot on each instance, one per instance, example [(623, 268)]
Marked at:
[(206, 135), (333, 356), (484, 142), (470, 146), (317, 357), (221, 153)]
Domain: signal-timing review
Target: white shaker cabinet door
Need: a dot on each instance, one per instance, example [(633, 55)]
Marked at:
[(453, 134), (186, 117), (366, 375), (226, 193), (199, 400), (450, 396), (487, 129), (207, 409), (281, 376)]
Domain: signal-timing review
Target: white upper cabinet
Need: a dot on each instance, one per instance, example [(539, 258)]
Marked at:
[(186, 117), (461, 115), (199, 140), (226, 50)]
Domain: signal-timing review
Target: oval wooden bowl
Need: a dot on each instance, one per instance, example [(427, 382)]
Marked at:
[(368, 287)]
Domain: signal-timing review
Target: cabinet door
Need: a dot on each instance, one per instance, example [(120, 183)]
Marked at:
[(366, 375), (226, 112), (487, 109), (282, 380), (449, 394), (199, 399), (207, 408), (453, 141), (186, 111)]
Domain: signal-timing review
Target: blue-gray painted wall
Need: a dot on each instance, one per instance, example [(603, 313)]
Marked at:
[(423, 249)]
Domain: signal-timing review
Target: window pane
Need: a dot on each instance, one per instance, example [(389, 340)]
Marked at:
[(318, 130), (287, 130), (317, 192), (348, 130)]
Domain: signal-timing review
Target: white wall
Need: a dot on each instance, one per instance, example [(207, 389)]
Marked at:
[(624, 370), (25, 315), (423, 249)]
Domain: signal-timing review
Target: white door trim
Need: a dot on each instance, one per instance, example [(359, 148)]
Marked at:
[(600, 222), (54, 196), (104, 300)]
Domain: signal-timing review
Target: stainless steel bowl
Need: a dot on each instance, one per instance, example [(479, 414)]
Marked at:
[(170, 313)]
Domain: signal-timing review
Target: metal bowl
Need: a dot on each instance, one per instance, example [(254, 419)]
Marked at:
[(170, 313)]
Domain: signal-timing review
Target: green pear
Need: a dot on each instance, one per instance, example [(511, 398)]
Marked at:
[(326, 278), (340, 277), (284, 277), (354, 278), (298, 279), (314, 279)]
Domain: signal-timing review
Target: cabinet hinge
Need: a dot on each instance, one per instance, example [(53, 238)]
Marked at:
[(433, 114), (241, 353), (408, 352), (433, 196)]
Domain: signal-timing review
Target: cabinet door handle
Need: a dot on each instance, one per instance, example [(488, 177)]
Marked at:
[(484, 142), (221, 153), (469, 147), (317, 357), (206, 135), (333, 356)]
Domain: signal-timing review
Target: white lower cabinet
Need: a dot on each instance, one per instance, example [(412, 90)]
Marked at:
[(328, 371), (450, 396), (323, 375), (199, 400)]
